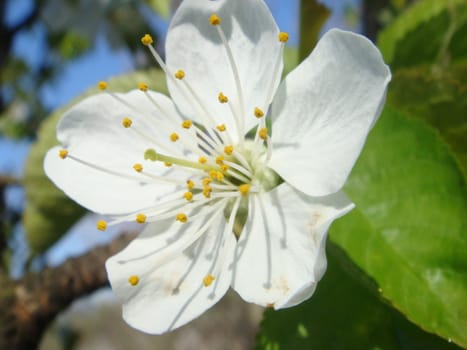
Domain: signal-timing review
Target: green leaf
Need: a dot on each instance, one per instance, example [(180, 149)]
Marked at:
[(429, 31), (344, 313), (49, 213), (162, 7), (438, 96), (409, 231), (313, 15)]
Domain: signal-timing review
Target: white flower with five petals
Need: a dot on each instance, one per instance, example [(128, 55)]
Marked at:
[(229, 199)]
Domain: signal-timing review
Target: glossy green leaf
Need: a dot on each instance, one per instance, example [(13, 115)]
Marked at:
[(313, 15), (343, 314), (49, 213), (438, 96), (409, 232), (429, 31)]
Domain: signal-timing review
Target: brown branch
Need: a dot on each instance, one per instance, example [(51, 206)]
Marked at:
[(29, 305)]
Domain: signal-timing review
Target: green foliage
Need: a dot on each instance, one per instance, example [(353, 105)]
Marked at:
[(438, 96), (162, 7), (409, 230), (49, 213), (313, 15), (429, 31), (345, 313)]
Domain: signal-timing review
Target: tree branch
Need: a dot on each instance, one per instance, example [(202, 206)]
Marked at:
[(29, 305)]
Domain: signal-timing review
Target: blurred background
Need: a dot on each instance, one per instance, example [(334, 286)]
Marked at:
[(52, 52)]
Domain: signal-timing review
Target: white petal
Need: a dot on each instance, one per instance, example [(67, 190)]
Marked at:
[(281, 253), (196, 47), (170, 291), (92, 132), (324, 110)]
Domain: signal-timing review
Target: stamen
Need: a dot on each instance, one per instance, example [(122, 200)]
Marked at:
[(188, 196), (222, 98), (238, 118), (190, 184), (206, 181), (141, 218), (174, 137), (244, 189), (202, 160), (207, 191), (63, 153), (143, 87), (101, 225), (181, 217), (220, 159), (263, 133), (214, 20), (102, 85), (207, 281), (283, 37), (147, 40), (126, 122), (228, 150), (168, 164), (186, 124), (221, 127), (133, 280), (258, 112), (138, 167), (180, 74)]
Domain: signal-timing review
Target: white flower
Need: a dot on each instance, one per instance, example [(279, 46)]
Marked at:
[(247, 212)]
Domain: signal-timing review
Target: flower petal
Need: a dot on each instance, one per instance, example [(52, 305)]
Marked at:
[(324, 110), (170, 290), (98, 173), (280, 256), (195, 46)]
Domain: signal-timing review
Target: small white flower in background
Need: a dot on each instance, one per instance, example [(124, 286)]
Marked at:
[(222, 208)]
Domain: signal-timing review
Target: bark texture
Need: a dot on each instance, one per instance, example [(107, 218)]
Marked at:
[(29, 305)]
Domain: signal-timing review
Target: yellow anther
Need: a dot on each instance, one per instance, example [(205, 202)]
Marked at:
[(190, 184), (202, 160), (258, 113), (207, 181), (207, 281), (221, 127), (181, 217), (133, 280), (63, 153), (244, 189), (187, 124), (147, 40), (222, 98), (143, 87), (180, 74), (214, 20), (102, 85), (228, 150), (141, 218), (126, 122), (207, 191), (138, 167), (220, 160), (224, 167), (216, 175), (283, 37), (168, 164), (174, 137), (188, 196), (263, 133), (101, 225)]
